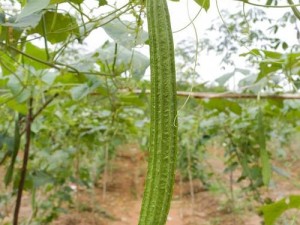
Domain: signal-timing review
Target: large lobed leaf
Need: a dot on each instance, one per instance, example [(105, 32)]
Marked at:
[(125, 60), (125, 33), (58, 27)]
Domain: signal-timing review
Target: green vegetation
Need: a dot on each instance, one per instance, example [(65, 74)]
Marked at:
[(67, 108)]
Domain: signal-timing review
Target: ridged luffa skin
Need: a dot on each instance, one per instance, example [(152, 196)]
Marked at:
[(163, 128)]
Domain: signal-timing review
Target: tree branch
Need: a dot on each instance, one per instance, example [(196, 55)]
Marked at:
[(25, 162), (44, 106), (40, 110)]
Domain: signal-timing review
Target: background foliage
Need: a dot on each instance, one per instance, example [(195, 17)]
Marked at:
[(85, 103)]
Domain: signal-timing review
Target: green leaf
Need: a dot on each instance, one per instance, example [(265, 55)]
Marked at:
[(223, 105), (82, 90), (276, 102), (10, 65), (203, 3), (263, 53), (10, 34), (77, 1), (248, 80), (272, 55), (15, 85), (41, 178), (31, 20), (49, 77), (36, 126), (3, 83), (253, 52), (21, 108), (79, 92), (131, 99), (8, 175), (69, 78), (273, 211), (20, 92), (224, 78), (102, 2), (264, 156), (52, 2), (58, 27), (285, 45), (266, 166), (125, 33), (31, 7), (36, 52), (293, 63), (270, 63), (269, 2), (125, 60), (6, 141), (246, 169), (266, 68)]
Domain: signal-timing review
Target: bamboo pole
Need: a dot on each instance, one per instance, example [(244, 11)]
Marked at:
[(211, 95)]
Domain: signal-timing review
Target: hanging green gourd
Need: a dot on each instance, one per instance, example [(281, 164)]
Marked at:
[(163, 129)]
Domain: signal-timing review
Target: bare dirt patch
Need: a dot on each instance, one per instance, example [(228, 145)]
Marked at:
[(120, 204)]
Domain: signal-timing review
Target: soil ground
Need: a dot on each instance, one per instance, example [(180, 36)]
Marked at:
[(120, 203), (116, 199)]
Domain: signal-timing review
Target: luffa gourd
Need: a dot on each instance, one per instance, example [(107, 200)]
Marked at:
[(163, 128)]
